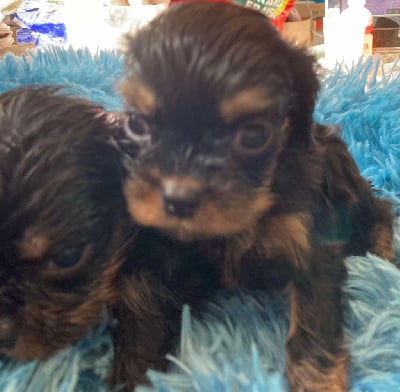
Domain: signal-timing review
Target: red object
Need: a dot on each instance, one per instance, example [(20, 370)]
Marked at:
[(201, 1), (369, 29), (278, 21), (319, 24)]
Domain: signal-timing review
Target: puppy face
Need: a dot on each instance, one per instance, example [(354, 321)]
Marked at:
[(60, 239), (213, 98)]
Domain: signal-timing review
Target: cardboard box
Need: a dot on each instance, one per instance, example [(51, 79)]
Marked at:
[(305, 31), (309, 9), (298, 32), (386, 31), (18, 50)]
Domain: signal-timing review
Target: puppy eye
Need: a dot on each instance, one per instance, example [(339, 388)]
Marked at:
[(67, 265), (251, 139), (137, 128), (69, 258)]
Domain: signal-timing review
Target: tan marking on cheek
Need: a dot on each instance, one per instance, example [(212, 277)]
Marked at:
[(140, 96), (143, 201), (33, 246), (248, 101)]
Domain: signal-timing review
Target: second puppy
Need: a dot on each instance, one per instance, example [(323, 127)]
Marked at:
[(62, 234)]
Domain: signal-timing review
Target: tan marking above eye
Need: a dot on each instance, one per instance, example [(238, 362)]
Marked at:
[(248, 101), (33, 246), (139, 95)]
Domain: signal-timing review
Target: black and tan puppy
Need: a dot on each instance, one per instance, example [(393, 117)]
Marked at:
[(69, 254), (61, 230), (225, 155)]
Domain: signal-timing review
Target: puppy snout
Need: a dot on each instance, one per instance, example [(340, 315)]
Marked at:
[(181, 197), (8, 332)]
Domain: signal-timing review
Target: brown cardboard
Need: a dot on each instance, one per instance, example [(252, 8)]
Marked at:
[(17, 49), (309, 9), (298, 32)]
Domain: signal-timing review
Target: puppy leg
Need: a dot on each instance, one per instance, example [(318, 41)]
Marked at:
[(316, 356), (145, 332), (316, 353)]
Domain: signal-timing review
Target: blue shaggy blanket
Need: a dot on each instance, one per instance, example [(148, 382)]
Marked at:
[(239, 343)]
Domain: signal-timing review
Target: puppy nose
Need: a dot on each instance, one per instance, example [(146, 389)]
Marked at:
[(8, 332), (181, 197), (181, 207)]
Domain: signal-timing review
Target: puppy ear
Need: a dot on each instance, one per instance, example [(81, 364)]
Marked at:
[(305, 86)]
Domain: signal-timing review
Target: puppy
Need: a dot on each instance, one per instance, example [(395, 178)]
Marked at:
[(224, 154), (69, 254), (61, 232)]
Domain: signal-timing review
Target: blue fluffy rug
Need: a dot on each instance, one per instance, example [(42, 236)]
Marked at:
[(239, 344)]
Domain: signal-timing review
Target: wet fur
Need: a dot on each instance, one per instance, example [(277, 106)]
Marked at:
[(284, 217)]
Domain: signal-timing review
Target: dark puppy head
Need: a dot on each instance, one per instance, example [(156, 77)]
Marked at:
[(60, 199), (213, 97)]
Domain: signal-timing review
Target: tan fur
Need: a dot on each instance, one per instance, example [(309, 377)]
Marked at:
[(33, 245), (280, 236), (285, 235), (145, 206), (305, 376), (251, 100), (139, 96), (382, 242)]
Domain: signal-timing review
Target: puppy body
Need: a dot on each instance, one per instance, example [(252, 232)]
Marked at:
[(226, 156)]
